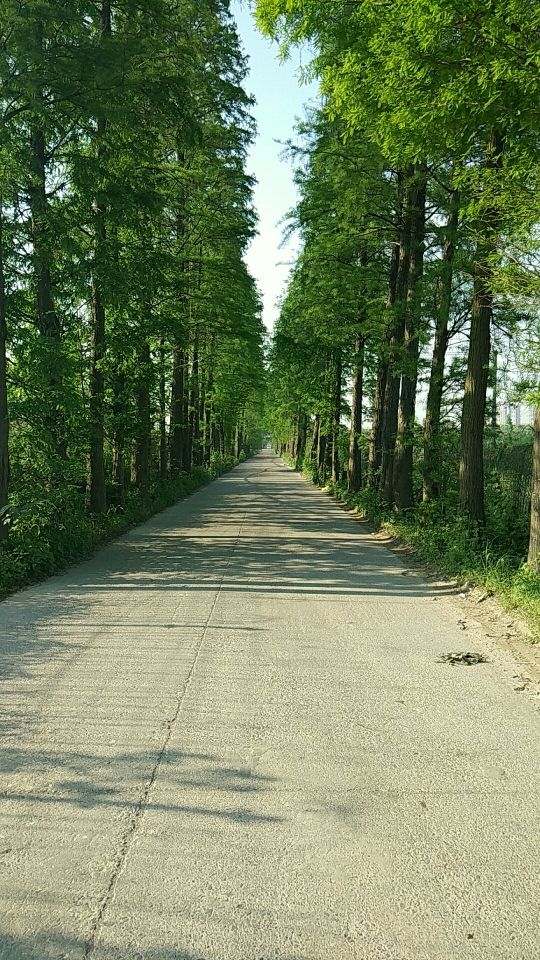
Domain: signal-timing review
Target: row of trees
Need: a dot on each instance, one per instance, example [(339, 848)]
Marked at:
[(418, 212), (131, 340)]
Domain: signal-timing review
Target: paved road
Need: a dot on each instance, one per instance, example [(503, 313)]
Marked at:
[(227, 737)]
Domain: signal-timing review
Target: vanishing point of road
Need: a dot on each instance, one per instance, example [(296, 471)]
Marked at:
[(229, 736)]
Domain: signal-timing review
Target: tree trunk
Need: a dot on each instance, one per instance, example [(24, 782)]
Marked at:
[(302, 439), (495, 389), (177, 428), (214, 433), (179, 440), (222, 437), (471, 468), (294, 441), (187, 447), (47, 319), (97, 487), (194, 413), (209, 445), (403, 456), (533, 558), (315, 439), (119, 438), (432, 426), (202, 420), (322, 455), (377, 428), (143, 442), (397, 293), (336, 418), (4, 414), (375, 443), (354, 473), (163, 458), (238, 442)]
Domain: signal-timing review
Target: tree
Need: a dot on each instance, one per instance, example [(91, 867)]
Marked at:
[(462, 71), (130, 328)]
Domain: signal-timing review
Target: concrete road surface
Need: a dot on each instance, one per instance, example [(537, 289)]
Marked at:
[(228, 737)]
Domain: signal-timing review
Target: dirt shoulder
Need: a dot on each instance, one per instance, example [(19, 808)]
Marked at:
[(480, 615)]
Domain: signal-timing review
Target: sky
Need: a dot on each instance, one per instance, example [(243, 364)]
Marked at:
[(280, 100)]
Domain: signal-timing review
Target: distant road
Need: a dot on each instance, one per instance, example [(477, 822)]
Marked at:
[(228, 737)]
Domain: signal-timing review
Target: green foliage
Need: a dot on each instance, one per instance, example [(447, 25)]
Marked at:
[(447, 92), (134, 337)]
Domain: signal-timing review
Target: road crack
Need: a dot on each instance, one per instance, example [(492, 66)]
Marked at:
[(142, 803)]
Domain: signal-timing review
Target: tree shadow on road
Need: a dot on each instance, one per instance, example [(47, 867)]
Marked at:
[(98, 797), (294, 544), (48, 945), (107, 779)]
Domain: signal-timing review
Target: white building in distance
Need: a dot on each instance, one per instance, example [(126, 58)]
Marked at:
[(515, 415)]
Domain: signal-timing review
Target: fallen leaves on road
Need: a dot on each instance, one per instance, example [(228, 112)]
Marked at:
[(467, 657)]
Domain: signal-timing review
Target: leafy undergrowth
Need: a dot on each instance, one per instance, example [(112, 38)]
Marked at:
[(447, 544), (54, 532)]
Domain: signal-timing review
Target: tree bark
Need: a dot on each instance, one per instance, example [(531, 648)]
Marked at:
[(143, 441), (301, 439), (354, 473), (97, 486), (209, 445), (4, 413), (495, 389), (163, 458), (336, 418), (315, 439), (96, 483), (432, 425), (375, 443), (533, 558), (187, 446), (179, 440), (377, 428), (239, 440), (383, 373), (397, 301), (47, 320), (322, 455), (194, 413), (119, 439), (403, 455), (222, 438), (178, 424), (471, 468)]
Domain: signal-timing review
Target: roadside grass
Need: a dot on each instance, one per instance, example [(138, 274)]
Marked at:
[(50, 534), (452, 549), (447, 544)]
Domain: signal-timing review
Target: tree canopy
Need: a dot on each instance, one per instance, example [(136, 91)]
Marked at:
[(131, 338)]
